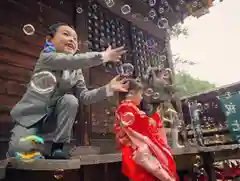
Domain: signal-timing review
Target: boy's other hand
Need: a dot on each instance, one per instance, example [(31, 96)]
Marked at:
[(113, 55), (118, 85)]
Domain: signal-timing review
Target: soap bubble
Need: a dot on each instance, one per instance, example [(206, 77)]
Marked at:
[(146, 19), (43, 82), (163, 58), (152, 2), (125, 9), (152, 13), (125, 69), (79, 10), (162, 23), (195, 4), (28, 29), (156, 95), (148, 92), (58, 174), (161, 10), (181, 1), (109, 3), (150, 43), (94, 6)]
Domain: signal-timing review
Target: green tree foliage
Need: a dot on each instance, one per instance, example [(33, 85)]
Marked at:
[(178, 30), (187, 85)]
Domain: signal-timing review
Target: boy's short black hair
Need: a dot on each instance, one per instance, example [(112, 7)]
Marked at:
[(53, 28)]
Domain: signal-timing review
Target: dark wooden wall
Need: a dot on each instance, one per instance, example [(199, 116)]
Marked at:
[(19, 52)]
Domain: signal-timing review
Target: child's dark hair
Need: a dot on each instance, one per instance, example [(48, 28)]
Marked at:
[(134, 85), (53, 28)]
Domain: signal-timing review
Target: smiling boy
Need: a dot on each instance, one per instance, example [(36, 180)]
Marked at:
[(34, 110)]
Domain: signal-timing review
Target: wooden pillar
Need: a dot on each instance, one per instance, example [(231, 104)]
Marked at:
[(208, 161), (81, 127), (171, 66)]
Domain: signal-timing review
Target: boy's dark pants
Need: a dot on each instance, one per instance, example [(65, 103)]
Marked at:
[(64, 113)]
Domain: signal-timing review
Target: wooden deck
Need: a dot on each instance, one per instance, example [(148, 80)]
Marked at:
[(184, 158), (77, 162)]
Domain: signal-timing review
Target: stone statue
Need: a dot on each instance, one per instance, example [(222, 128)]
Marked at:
[(159, 93)]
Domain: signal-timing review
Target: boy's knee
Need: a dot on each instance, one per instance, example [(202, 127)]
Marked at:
[(70, 100)]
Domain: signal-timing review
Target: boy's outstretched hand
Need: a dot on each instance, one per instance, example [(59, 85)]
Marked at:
[(119, 85), (113, 55)]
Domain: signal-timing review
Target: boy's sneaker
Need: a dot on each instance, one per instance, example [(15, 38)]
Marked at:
[(59, 154)]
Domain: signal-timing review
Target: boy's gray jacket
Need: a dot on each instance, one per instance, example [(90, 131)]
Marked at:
[(34, 106)]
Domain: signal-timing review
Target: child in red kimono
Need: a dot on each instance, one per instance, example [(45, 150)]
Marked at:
[(146, 155)]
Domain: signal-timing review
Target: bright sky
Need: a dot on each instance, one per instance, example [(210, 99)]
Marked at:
[(214, 43)]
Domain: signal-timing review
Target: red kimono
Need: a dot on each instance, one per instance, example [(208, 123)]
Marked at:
[(130, 118)]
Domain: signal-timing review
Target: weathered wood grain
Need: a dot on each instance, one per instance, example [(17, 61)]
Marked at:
[(18, 59)]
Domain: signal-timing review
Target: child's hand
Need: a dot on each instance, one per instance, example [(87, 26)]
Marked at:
[(118, 85), (113, 55)]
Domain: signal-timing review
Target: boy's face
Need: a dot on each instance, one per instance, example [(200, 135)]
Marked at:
[(65, 40)]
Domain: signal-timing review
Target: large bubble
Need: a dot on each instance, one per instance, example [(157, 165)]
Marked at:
[(43, 82), (28, 151)]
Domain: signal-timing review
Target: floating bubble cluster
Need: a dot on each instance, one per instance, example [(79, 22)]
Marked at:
[(28, 29), (43, 82)]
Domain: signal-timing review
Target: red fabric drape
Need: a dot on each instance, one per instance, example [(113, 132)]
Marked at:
[(137, 120)]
